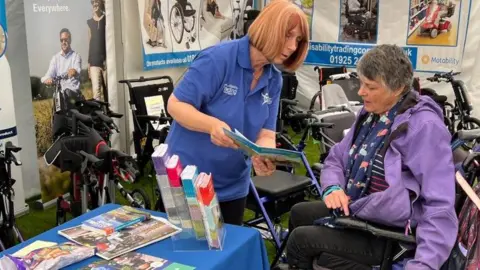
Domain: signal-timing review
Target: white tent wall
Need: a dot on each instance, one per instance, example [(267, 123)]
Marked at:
[(18, 56)]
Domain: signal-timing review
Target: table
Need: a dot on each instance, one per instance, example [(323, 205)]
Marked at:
[(243, 248)]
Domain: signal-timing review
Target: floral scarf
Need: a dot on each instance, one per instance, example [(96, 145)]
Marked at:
[(370, 139)]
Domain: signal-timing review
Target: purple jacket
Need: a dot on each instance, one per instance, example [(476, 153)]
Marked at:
[(418, 160)]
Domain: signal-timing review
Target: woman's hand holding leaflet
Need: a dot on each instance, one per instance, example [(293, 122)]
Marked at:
[(218, 136)]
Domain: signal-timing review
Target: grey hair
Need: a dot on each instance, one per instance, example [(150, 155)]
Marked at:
[(389, 65)]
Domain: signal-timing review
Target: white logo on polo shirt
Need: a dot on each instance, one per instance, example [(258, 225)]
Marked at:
[(230, 89), (266, 98)]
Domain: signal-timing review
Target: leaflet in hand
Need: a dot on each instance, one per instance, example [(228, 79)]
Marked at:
[(279, 156)]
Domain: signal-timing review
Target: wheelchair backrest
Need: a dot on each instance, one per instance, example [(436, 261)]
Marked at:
[(289, 87), (325, 73), (249, 17), (350, 87), (341, 121), (142, 96), (333, 95), (461, 96)]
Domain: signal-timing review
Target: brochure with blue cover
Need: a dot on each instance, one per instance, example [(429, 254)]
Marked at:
[(277, 155)]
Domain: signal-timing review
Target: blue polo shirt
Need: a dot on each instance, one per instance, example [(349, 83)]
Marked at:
[(218, 84)]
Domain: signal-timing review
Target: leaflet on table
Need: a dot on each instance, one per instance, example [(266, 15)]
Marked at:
[(115, 220), (250, 148), (121, 242), (35, 245), (134, 261), (53, 257)]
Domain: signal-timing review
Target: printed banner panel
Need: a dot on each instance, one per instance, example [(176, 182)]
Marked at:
[(174, 31), (432, 32), (8, 123), (67, 59)]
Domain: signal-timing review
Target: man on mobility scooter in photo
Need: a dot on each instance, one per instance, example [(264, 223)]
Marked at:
[(64, 73)]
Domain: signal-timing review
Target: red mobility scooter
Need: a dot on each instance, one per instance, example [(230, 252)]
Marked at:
[(436, 19)]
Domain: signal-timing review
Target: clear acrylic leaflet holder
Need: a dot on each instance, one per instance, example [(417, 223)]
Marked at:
[(188, 216)]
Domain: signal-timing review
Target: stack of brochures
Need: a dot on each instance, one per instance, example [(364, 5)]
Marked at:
[(111, 235), (57, 256), (188, 194), (115, 220), (119, 231)]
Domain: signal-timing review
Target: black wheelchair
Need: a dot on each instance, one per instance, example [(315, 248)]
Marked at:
[(182, 19)]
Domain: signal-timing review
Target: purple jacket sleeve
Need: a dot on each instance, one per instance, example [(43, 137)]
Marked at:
[(430, 160), (333, 168)]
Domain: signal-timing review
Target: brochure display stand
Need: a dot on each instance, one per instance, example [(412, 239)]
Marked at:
[(190, 203)]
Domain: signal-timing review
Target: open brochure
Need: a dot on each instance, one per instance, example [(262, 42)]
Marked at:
[(277, 155), (134, 261), (125, 240)]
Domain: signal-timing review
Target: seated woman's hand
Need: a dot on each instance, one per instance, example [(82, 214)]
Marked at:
[(337, 199), (263, 166)]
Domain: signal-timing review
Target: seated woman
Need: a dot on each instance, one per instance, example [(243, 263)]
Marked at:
[(394, 167)]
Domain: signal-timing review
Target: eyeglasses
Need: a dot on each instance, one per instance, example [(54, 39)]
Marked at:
[(67, 40)]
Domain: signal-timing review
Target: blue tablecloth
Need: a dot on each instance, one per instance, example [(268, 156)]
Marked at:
[(243, 248)]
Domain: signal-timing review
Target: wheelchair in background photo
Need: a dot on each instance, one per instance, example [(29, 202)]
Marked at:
[(182, 20)]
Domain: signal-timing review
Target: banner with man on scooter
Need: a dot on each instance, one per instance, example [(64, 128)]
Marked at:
[(67, 60), (432, 32)]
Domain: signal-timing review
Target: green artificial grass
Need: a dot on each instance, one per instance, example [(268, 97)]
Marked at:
[(39, 221)]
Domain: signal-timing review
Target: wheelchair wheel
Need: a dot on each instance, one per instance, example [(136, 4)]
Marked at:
[(177, 23), (140, 199)]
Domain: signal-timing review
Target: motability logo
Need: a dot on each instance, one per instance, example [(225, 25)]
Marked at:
[(426, 59)]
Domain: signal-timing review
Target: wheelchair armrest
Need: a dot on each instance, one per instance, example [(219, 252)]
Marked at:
[(375, 229), (90, 103), (87, 119), (322, 125), (114, 114), (103, 103), (153, 118), (103, 117)]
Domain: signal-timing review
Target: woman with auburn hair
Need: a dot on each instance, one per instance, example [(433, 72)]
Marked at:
[(236, 85)]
